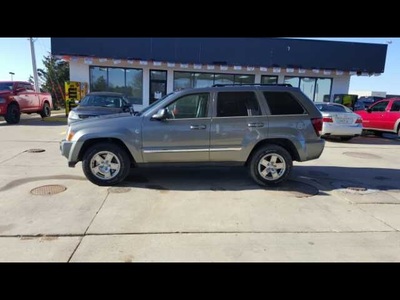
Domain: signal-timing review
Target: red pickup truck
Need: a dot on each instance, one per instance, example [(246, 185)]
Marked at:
[(18, 97), (382, 116)]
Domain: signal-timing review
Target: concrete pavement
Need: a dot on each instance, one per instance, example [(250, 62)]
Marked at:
[(341, 207)]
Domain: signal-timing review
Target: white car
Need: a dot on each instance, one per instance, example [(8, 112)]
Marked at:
[(339, 121)]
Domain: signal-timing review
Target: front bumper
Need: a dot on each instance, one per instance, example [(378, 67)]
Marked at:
[(65, 149)]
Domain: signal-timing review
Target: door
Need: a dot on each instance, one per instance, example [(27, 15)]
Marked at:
[(392, 115), (32, 97), (375, 118), (184, 136), (158, 84), (238, 118), (22, 97)]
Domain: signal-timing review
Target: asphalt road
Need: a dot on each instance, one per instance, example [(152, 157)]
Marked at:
[(342, 207)]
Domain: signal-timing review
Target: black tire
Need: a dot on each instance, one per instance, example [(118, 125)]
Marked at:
[(346, 138), (282, 157), (13, 114), (46, 111), (103, 174)]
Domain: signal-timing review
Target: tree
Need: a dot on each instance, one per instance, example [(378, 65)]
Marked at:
[(53, 77)]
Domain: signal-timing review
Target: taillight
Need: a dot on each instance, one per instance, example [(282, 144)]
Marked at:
[(317, 124), (359, 120), (327, 119)]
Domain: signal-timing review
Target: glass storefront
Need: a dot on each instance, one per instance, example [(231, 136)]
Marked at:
[(316, 88), (120, 80)]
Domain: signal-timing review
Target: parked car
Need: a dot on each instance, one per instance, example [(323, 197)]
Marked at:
[(382, 116), (364, 102), (339, 121), (18, 97), (264, 128), (97, 104)]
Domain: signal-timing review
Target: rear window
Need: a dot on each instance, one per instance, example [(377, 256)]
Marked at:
[(283, 103), (331, 108)]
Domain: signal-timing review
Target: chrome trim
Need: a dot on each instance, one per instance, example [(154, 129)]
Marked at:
[(190, 150), (175, 150)]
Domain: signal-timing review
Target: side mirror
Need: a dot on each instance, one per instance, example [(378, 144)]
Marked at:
[(19, 90), (368, 109), (160, 115), (127, 108)]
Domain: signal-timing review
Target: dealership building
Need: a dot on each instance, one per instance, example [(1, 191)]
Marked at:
[(145, 69)]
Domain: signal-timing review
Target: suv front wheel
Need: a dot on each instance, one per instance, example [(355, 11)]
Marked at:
[(270, 165), (106, 164)]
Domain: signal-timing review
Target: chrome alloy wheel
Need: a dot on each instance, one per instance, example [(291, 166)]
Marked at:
[(271, 166), (105, 165)]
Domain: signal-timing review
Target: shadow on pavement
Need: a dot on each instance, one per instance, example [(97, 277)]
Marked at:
[(386, 139), (322, 178), (57, 120)]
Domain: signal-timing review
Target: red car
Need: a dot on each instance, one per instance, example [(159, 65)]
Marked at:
[(382, 116)]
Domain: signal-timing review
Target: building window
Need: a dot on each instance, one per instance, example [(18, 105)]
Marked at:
[(323, 90), (317, 89), (126, 81), (268, 79), (224, 79), (183, 80)]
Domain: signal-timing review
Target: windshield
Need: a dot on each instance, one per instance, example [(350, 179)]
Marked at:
[(154, 104), (6, 86), (103, 101)]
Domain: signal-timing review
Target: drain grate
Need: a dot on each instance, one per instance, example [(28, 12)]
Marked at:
[(35, 150), (118, 190), (48, 189), (356, 188)]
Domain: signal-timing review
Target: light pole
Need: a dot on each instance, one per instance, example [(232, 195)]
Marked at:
[(11, 73)]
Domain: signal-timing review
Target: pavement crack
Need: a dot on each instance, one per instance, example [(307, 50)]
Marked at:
[(87, 228)]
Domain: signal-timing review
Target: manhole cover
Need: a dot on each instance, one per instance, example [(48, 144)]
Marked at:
[(357, 188), (48, 189), (361, 155), (119, 190), (35, 150)]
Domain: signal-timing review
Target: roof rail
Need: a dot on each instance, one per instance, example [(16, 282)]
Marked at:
[(252, 84)]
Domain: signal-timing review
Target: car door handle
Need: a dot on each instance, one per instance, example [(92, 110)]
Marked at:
[(255, 124), (197, 127)]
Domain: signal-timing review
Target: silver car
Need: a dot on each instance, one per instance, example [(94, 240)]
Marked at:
[(264, 128), (339, 121), (97, 104)]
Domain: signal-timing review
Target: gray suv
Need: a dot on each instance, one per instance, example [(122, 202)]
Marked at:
[(263, 127)]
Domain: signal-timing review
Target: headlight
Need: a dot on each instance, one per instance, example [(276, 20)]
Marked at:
[(2, 100), (73, 115)]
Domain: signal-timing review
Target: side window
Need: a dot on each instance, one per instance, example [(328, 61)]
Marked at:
[(395, 106), (283, 103), (189, 106), (28, 87), (236, 104), (381, 106)]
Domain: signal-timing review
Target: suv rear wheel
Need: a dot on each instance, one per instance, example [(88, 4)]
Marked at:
[(106, 164), (270, 165)]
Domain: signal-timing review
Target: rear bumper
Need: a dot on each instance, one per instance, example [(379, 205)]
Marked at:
[(314, 149), (337, 130)]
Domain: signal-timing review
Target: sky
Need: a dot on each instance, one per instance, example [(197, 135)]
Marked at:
[(15, 56)]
